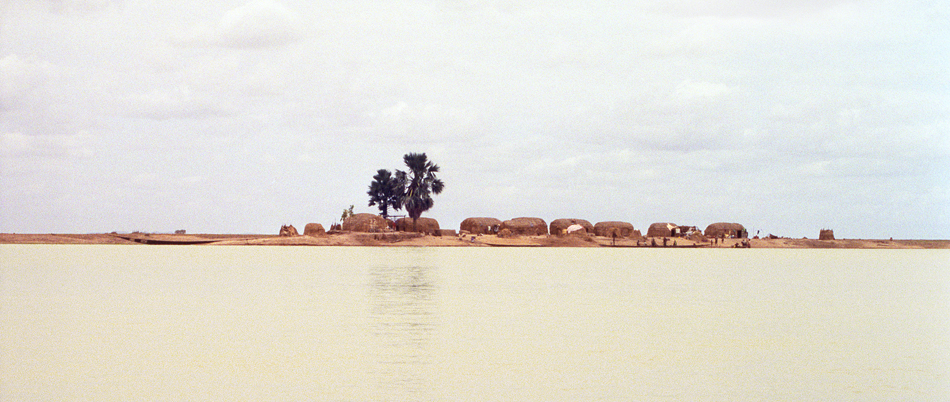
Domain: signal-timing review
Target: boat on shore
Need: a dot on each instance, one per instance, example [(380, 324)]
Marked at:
[(177, 240)]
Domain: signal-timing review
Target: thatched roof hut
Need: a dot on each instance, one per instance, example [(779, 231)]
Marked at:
[(288, 230), (427, 226), (314, 229), (559, 226), (525, 226), (480, 225), (365, 223), (725, 229), (826, 234), (612, 228), (661, 229)]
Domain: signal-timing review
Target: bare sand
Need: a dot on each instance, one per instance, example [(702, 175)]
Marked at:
[(401, 239)]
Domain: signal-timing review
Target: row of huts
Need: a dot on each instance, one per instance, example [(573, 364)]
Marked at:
[(526, 226), (537, 226)]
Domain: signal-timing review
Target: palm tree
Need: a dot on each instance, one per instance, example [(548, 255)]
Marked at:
[(386, 191), (421, 183)]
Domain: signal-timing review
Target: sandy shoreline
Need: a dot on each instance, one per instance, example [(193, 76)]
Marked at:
[(415, 240)]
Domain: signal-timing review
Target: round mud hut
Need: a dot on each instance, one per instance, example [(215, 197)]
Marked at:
[(371, 223), (615, 229), (525, 226), (725, 229), (559, 226), (427, 226), (314, 229), (661, 229), (288, 231), (480, 225)]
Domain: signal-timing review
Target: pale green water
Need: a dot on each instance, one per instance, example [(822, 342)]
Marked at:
[(151, 323)]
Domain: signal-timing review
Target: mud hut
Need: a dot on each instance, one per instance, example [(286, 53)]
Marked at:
[(480, 225), (559, 226), (427, 226), (611, 228), (728, 230), (685, 231), (661, 229), (525, 226), (314, 229), (365, 223), (826, 234), (288, 230)]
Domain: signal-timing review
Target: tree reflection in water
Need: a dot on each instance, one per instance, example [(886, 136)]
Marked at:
[(403, 317)]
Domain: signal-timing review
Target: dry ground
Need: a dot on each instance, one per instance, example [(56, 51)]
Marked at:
[(417, 240)]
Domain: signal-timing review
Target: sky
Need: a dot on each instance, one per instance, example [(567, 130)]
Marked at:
[(242, 116)]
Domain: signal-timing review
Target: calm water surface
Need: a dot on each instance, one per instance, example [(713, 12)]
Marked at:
[(152, 323)]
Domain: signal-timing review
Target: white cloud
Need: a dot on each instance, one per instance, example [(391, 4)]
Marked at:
[(256, 24), (82, 6), (690, 90), (24, 146), (36, 98), (22, 155), (424, 123), (15, 144), (20, 77), (173, 103), (747, 8)]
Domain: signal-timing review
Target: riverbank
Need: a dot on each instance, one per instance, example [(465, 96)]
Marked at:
[(401, 239)]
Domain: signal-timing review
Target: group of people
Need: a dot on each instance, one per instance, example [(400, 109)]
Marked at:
[(653, 243), (744, 243)]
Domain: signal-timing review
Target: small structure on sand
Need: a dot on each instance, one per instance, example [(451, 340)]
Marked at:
[(288, 230), (427, 226), (480, 226), (616, 229), (661, 229), (314, 229), (371, 223), (562, 226), (685, 231), (726, 230), (525, 226), (826, 234)]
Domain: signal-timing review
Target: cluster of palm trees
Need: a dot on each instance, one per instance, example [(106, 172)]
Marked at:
[(410, 189)]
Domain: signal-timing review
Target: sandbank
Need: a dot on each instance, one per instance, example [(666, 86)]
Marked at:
[(403, 239)]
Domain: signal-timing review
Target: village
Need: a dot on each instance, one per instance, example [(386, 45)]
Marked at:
[(533, 231), (370, 230)]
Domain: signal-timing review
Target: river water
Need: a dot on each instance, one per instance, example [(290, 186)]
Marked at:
[(182, 323)]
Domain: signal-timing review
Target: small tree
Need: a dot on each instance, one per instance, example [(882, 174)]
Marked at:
[(346, 214), (385, 191), (421, 182)]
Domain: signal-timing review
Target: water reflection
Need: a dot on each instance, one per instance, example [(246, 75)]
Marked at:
[(403, 318)]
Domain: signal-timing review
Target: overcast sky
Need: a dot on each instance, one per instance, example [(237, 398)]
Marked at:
[(241, 116)]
